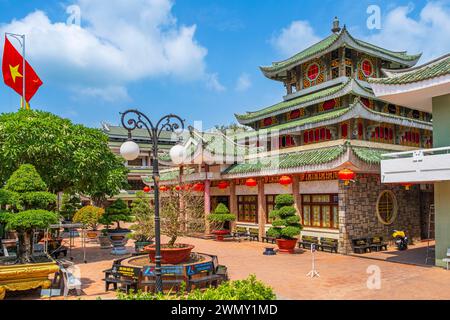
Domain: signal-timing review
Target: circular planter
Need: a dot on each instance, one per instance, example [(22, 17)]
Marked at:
[(286, 246), (139, 245), (118, 239), (92, 235), (105, 243), (178, 254), (220, 234)]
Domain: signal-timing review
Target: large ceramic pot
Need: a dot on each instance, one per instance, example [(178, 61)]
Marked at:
[(220, 234), (171, 255), (140, 245), (118, 238), (286, 246), (92, 235), (104, 241)]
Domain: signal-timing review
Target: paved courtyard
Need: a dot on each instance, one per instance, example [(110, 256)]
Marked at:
[(341, 277)]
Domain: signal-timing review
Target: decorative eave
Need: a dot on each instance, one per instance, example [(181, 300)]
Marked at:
[(303, 101), (333, 42), (356, 110)]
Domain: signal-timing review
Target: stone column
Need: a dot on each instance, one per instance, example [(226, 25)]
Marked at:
[(441, 138), (207, 197), (233, 203), (344, 245), (261, 208), (296, 194)]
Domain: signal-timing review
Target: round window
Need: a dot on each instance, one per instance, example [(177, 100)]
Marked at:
[(387, 207), (367, 68), (313, 71)]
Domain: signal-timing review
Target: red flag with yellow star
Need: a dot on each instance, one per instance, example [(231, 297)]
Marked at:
[(12, 68)]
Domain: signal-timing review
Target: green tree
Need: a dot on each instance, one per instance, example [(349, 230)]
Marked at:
[(89, 216), (144, 218), (27, 191), (285, 221), (67, 156), (220, 216), (70, 204), (118, 211)]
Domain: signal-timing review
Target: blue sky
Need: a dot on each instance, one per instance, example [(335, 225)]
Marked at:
[(196, 58)]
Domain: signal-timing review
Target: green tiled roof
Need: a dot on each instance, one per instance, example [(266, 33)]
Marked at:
[(294, 102), (326, 43), (369, 155), (432, 69), (288, 160)]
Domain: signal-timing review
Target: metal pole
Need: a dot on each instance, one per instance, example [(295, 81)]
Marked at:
[(23, 71), (159, 286)]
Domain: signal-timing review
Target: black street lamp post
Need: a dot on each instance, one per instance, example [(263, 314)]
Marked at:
[(134, 119)]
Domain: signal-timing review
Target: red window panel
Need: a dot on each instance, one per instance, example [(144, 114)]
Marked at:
[(344, 130), (377, 132), (294, 114), (391, 134), (330, 104), (365, 102), (268, 121), (317, 135), (305, 137), (313, 71), (386, 133), (408, 136), (381, 133), (311, 136), (322, 134), (367, 68), (328, 134), (360, 129), (417, 137)]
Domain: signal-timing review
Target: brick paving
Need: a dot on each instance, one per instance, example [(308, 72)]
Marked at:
[(341, 277)]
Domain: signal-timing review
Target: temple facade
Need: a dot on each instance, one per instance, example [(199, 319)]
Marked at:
[(328, 121)]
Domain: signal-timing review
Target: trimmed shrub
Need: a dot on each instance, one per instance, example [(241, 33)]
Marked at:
[(220, 216), (285, 222), (89, 216)]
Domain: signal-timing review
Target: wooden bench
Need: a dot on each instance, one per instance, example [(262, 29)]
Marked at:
[(361, 245), (268, 239), (210, 279), (306, 242), (112, 277), (173, 283), (240, 232), (377, 244), (329, 244), (253, 234)]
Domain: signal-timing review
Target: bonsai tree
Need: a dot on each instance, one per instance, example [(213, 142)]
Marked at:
[(143, 213), (220, 216), (89, 216), (285, 222), (118, 211), (70, 204), (30, 205)]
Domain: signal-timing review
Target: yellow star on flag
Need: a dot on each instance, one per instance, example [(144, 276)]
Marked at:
[(15, 72)]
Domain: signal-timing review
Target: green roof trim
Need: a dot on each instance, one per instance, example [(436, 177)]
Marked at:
[(294, 102), (288, 160), (433, 69), (369, 155), (326, 43)]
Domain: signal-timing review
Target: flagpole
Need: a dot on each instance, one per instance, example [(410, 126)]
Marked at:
[(22, 44)]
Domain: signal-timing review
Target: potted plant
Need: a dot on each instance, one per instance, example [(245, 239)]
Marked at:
[(70, 204), (218, 218), (90, 216), (144, 217), (117, 212), (179, 206), (30, 207), (103, 239), (285, 223)]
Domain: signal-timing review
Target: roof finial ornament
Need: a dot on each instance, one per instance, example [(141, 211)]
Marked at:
[(336, 28)]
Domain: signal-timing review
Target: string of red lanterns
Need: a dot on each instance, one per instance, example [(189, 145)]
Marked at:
[(222, 185), (346, 175), (285, 180), (251, 183)]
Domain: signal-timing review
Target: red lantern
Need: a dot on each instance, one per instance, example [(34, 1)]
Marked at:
[(285, 180), (163, 189), (251, 182), (199, 187), (187, 187), (222, 185), (178, 188), (346, 175), (147, 189), (407, 185)]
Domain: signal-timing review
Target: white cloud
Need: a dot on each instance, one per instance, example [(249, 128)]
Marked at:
[(429, 33), (117, 43), (213, 83), (243, 82), (298, 36)]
